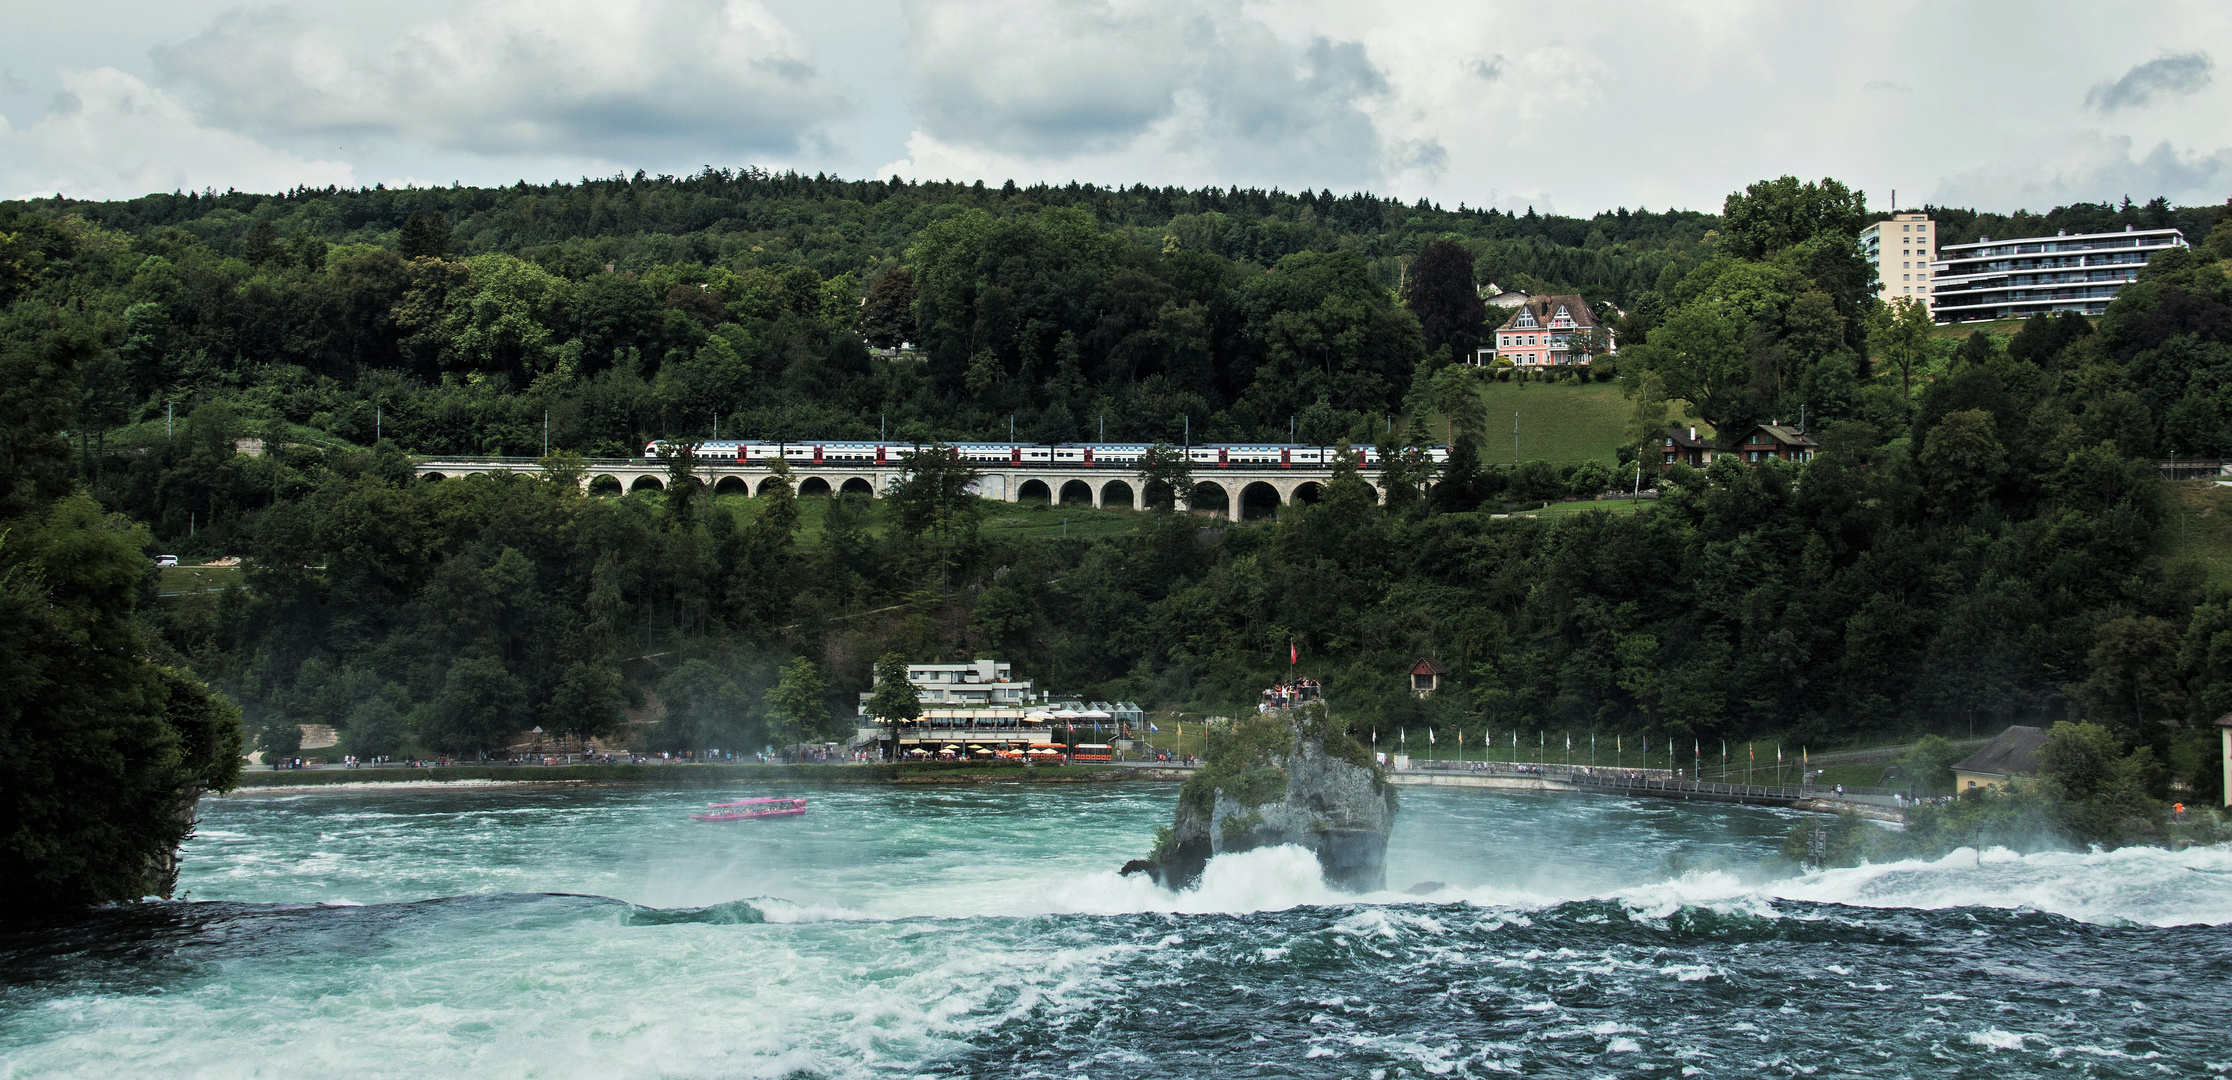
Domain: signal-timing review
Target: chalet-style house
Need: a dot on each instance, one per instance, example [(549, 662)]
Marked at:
[(1535, 334), (1425, 677), (1776, 441), (2014, 753), (1681, 446)]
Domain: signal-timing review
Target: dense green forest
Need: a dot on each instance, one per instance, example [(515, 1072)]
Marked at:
[(1979, 539)]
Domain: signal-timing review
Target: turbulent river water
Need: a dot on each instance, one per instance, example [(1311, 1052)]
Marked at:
[(597, 931)]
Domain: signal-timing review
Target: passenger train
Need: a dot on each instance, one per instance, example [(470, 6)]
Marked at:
[(1063, 455)]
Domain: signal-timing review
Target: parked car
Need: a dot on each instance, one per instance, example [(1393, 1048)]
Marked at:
[(166, 560)]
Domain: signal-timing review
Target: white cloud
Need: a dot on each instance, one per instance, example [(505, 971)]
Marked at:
[(1585, 106), (112, 136), (2091, 167), (590, 78), (1164, 91)]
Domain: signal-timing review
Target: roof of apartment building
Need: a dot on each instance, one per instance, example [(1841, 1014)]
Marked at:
[(1545, 308)]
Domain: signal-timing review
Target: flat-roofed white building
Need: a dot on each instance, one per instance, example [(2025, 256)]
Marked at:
[(982, 704), (2016, 279), (1901, 249), (978, 682)]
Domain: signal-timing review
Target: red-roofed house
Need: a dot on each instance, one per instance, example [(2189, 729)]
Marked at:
[(1535, 335), (1425, 676)]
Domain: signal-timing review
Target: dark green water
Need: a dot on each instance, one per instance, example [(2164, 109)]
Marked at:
[(562, 932)]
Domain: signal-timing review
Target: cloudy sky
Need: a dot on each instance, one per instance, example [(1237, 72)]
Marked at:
[(1570, 107)]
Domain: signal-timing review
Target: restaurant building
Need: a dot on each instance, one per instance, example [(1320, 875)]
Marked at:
[(979, 709)]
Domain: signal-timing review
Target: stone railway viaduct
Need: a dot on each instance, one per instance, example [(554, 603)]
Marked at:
[(1233, 491)]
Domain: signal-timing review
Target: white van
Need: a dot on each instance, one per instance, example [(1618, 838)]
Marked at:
[(166, 560)]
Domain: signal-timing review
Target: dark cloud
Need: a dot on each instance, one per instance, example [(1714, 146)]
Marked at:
[(1490, 68), (2171, 73)]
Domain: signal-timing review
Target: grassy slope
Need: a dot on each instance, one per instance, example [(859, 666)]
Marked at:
[(1561, 423), (177, 580), (2200, 527)]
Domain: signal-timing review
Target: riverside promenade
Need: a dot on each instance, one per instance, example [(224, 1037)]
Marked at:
[(1497, 775), (1651, 783)]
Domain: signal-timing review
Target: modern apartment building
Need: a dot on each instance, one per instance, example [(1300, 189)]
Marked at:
[(1901, 250), (2016, 279)]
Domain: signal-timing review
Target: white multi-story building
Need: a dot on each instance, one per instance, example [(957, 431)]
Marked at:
[(978, 682), (1901, 250), (982, 703), (2016, 279)]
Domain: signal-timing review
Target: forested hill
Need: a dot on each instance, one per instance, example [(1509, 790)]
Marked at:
[(1979, 540), (752, 218)]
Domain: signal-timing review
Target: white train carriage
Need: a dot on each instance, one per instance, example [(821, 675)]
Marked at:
[(1066, 455)]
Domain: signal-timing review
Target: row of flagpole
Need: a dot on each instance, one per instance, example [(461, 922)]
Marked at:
[(1697, 750), (1697, 746)]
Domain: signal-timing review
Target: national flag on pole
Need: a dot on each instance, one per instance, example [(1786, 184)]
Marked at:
[(1294, 653), (1151, 727), (1429, 736), (1569, 740)]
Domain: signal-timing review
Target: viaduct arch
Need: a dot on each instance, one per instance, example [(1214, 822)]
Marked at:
[(1246, 493)]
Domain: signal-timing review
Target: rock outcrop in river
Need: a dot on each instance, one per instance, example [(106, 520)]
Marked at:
[(1290, 776)]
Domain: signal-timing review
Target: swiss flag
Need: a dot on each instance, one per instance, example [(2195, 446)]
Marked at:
[(1294, 655)]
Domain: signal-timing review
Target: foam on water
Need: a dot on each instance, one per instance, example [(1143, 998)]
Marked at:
[(984, 932)]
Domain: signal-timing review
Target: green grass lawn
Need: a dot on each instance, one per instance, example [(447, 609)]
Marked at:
[(1561, 423), (179, 580), (2200, 526), (1586, 506)]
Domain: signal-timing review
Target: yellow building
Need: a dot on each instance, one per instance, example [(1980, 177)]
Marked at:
[(2014, 753), (1901, 249), (2225, 722)]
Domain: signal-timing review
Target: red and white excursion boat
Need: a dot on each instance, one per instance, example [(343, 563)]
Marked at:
[(753, 809)]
